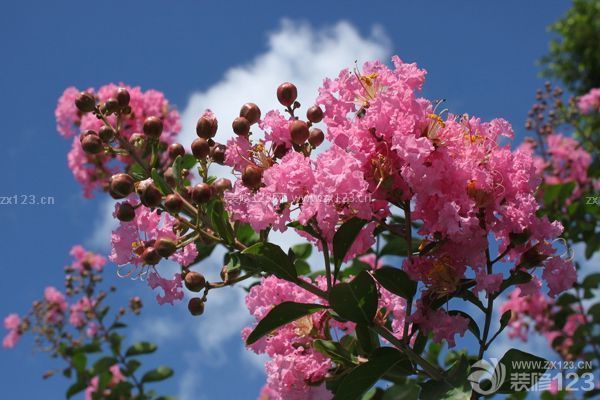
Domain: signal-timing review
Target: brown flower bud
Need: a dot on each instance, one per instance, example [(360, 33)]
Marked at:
[(287, 94), (316, 137), (217, 153), (120, 186), (150, 256), (241, 126), (165, 247), (173, 203), (207, 127), (153, 127), (229, 274), (194, 281), (201, 193), (91, 143), (314, 114), (200, 148), (299, 132), (196, 306), (137, 140), (251, 112), (111, 105), (252, 176), (125, 212), (169, 177), (106, 133), (85, 102), (222, 184), (123, 97), (176, 149), (150, 196)]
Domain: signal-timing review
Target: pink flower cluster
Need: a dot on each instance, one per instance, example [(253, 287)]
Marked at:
[(296, 370), (590, 102), (130, 238), (531, 309), (116, 377), (12, 323), (93, 171)]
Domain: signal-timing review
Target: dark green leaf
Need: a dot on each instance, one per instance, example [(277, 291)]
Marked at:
[(140, 348), (79, 361), (160, 182), (355, 301), (516, 363), (220, 221), (455, 387), (302, 267), (518, 278), (159, 374), (303, 250), (344, 238), (280, 315), (334, 350), (272, 259), (396, 281), (405, 391), (361, 378), (103, 364), (75, 388), (367, 339)]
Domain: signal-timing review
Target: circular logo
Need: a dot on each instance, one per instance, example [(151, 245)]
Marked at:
[(493, 374)]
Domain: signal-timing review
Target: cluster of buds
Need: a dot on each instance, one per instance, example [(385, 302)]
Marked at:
[(549, 110)]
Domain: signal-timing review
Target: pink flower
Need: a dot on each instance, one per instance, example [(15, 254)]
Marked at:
[(12, 323), (66, 113), (57, 305), (85, 259), (443, 325), (559, 274), (489, 283), (590, 101), (78, 311), (172, 288)]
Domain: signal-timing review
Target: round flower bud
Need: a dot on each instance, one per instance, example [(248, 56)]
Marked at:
[(196, 306), (123, 97), (222, 184), (287, 94), (85, 102), (173, 203), (120, 186), (176, 149), (314, 114), (125, 212), (241, 126), (169, 177), (201, 193), (111, 105), (150, 196), (207, 127), (280, 150), (165, 247), (106, 133), (299, 132), (252, 176), (91, 143), (153, 127), (150, 256), (137, 140), (316, 137), (251, 112), (200, 148), (194, 281), (217, 153)]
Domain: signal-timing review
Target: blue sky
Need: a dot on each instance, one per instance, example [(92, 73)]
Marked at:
[(480, 56)]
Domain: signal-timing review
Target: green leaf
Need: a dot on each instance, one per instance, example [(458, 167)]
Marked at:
[(354, 385), (367, 339), (103, 364), (344, 238), (397, 246), (160, 182), (594, 312), (455, 387), (272, 259), (137, 172), (182, 162), (405, 391), (302, 267), (517, 363), (302, 250), (591, 281), (334, 350), (79, 361), (159, 374), (518, 278), (75, 388), (280, 315), (246, 234), (355, 301), (396, 281), (140, 348), (304, 228), (220, 221)]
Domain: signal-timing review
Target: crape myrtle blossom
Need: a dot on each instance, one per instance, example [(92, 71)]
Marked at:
[(12, 323), (590, 102), (534, 311), (92, 171)]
